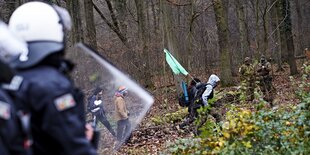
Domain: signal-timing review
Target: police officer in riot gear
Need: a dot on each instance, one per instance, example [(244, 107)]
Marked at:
[(13, 139), (11, 134), (57, 110)]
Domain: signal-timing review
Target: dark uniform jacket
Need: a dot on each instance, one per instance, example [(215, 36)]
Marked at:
[(11, 135), (57, 113)]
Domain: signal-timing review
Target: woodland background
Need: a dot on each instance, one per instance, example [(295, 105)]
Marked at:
[(206, 36)]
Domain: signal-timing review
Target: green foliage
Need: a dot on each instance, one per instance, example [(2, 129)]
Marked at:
[(245, 132), (184, 146), (264, 131), (93, 77), (170, 117), (304, 86)]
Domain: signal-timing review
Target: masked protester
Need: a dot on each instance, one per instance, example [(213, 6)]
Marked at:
[(121, 114), (265, 79), (203, 93), (56, 105), (247, 79), (13, 138), (97, 110)]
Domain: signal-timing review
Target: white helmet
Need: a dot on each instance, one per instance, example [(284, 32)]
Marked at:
[(43, 27)]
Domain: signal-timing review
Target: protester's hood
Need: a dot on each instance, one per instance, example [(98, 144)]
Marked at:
[(213, 79)]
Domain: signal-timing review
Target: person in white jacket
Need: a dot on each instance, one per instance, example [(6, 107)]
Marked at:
[(208, 93)]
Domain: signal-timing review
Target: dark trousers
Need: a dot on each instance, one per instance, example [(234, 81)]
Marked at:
[(193, 114), (103, 119), (123, 130), (267, 89)]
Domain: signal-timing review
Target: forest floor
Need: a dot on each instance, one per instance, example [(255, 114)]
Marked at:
[(151, 138)]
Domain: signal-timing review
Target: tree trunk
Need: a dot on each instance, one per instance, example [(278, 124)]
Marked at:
[(281, 16), (257, 27), (222, 31), (244, 46), (190, 37), (77, 31), (169, 31), (300, 44), (276, 35), (121, 16), (143, 38), (155, 18), (286, 13), (90, 38), (265, 28)]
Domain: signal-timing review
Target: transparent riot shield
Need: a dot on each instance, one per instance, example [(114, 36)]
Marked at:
[(114, 103)]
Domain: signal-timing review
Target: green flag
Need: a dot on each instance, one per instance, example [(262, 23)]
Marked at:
[(174, 64)]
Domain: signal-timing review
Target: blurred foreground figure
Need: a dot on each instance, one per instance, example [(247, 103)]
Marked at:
[(13, 135), (56, 105)]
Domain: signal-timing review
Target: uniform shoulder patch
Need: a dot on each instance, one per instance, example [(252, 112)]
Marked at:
[(64, 102), (5, 110)]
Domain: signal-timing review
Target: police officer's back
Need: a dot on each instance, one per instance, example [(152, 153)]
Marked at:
[(12, 136), (57, 122)]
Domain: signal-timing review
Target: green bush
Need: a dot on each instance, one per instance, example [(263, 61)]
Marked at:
[(170, 117)]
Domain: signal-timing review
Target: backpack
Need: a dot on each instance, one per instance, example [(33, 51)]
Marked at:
[(182, 101), (195, 94), (198, 94)]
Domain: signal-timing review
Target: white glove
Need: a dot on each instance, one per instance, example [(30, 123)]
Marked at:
[(97, 102)]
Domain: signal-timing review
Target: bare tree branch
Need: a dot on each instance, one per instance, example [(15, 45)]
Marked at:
[(113, 27), (112, 13)]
